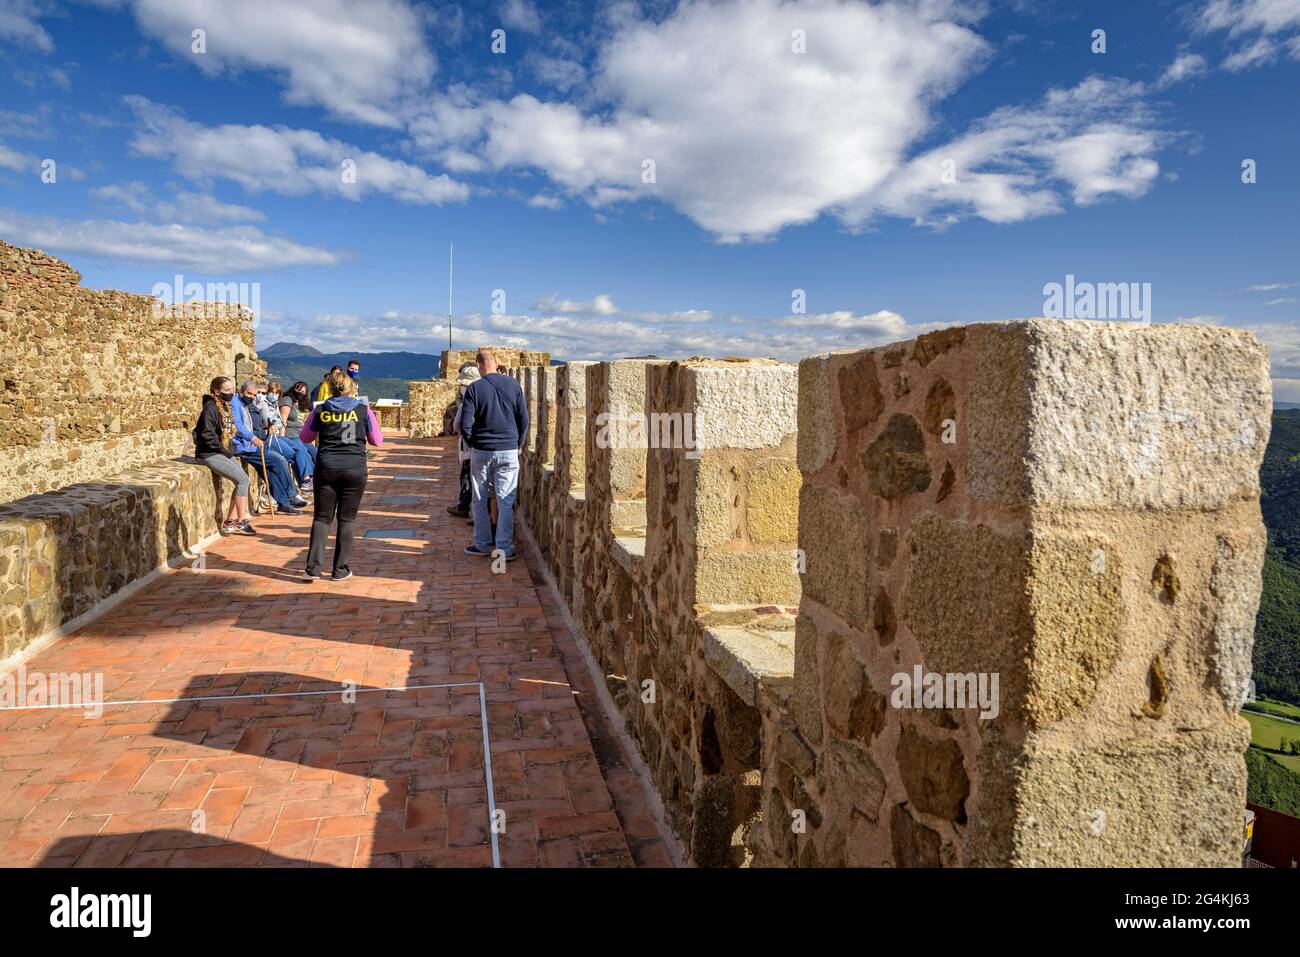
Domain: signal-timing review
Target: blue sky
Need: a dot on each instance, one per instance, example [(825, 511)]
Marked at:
[(914, 165)]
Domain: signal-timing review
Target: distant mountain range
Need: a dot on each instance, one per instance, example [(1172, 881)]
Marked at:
[(384, 375)]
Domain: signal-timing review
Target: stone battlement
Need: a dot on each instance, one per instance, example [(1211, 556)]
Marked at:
[(93, 382), (1071, 507), (985, 597), (427, 400)]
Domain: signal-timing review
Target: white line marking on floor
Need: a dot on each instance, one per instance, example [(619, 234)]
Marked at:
[(483, 720)]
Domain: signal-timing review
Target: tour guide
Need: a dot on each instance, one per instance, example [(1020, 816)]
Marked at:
[(341, 426)]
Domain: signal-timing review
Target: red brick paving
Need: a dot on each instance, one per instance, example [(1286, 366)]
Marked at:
[(394, 779)]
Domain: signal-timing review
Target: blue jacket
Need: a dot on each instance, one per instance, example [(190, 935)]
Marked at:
[(493, 415), (243, 427)]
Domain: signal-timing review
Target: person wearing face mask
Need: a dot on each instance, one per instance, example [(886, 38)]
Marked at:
[(214, 446), (253, 448), (302, 458), (354, 370), (293, 405)]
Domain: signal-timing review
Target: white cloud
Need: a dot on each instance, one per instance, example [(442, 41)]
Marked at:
[(1091, 140), (769, 139), (601, 305), (559, 73), (18, 23), (33, 125), (208, 251), (1286, 390), (282, 160), (1240, 17), (1272, 286), (1184, 67), (185, 207), (521, 15), (774, 138), (360, 59), (1261, 29), (1283, 342), (18, 162), (1281, 301), (1256, 54), (886, 324), (589, 332), (542, 201)]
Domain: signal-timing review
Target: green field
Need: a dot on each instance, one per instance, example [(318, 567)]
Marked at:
[(1280, 709), (1267, 733)]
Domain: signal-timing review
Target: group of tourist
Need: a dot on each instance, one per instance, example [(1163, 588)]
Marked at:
[(302, 448), (298, 448)]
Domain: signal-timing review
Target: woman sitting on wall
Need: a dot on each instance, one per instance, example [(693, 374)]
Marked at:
[(295, 405), (285, 436), (340, 426), (214, 447)]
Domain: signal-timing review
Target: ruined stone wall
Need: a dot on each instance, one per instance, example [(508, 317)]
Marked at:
[(1072, 507), (94, 382)]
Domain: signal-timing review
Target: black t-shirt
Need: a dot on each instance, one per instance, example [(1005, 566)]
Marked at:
[(341, 437)]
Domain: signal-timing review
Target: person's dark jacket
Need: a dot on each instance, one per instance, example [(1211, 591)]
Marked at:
[(207, 433), (493, 414)]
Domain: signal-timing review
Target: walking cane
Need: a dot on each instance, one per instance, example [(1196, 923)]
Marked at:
[(266, 476)]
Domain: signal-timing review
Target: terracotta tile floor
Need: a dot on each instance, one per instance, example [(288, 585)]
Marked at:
[(393, 778)]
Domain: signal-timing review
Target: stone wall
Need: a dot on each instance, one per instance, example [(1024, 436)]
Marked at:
[(1071, 507), (94, 382), (428, 400), (63, 552), (425, 406), (507, 359)]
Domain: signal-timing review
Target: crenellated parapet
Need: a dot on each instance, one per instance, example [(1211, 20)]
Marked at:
[(96, 381), (981, 598)]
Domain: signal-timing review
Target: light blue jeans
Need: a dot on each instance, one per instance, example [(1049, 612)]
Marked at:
[(501, 470)]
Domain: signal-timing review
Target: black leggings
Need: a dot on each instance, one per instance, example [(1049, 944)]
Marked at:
[(335, 491)]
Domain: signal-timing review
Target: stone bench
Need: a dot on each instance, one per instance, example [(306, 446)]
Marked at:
[(64, 553)]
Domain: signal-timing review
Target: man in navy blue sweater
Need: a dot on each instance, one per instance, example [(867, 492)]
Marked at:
[(494, 421)]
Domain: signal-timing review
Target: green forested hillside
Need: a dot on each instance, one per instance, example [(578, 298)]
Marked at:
[(1277, 632), (1277, 629), (1270, 784), (384, 375)]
